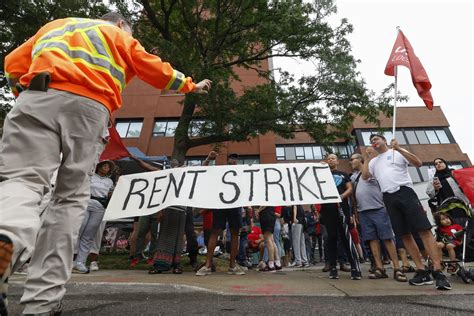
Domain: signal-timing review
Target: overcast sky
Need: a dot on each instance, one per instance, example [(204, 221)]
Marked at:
[(442, 36)]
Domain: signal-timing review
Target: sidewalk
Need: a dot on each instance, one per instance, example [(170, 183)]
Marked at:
[(288, 282)]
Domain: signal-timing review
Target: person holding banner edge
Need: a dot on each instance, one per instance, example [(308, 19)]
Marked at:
[(65, 107), (220, 218), (390, 168), (336, 216)]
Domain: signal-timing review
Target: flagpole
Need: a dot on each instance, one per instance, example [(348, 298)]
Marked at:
[(395, 106)]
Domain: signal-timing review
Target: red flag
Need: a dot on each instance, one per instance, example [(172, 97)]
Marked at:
[(403, 55), (465, 179), (115, 149)]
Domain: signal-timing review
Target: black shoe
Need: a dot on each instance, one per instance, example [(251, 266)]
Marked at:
[(356, 274), (326, 268), (442, 282), (333, 274), (422, 277), (344, 267), (194, 264)]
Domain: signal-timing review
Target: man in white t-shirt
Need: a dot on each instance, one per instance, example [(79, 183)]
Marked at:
[(390, 168)]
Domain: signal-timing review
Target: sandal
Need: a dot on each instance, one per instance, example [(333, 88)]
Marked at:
[(399, 276), (407, 269), (452, 268), (154, 271), (177, 270), (378, 274)]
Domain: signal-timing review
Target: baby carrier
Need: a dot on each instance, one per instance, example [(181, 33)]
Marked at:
[(460, 210)]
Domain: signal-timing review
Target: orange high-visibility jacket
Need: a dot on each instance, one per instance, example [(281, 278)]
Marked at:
[(92, 58)]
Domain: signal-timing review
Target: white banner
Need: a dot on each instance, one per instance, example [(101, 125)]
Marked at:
[(221, 187)]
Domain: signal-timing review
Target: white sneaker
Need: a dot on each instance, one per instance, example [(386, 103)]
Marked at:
[(80, 267), (261, 265), (94, 266), (236, 271), (241, 267), (204, 271)]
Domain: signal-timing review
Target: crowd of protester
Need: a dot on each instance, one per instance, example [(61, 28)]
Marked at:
[(379, 220)]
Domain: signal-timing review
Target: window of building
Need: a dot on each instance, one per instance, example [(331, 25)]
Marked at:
[(280, 153), (456, 166), (305, 152), (342, 151), (411, 136), (197, 161), (388, 136), (290, 153), (308, 152), (196, 128), (317, 152), (422, 139), (129, 128), (165, 128), (433, 139), (365, 138), (299, 150), (400, 137), (424, 173), (443, 138), (414, 175), (248, 160)]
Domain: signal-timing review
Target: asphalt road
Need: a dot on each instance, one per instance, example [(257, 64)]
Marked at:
[(165, 299)]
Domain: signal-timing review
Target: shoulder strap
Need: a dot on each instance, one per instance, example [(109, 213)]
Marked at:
[(356, 182)]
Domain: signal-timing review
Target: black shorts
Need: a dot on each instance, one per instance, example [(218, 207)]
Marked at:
[(267, 220), (231, 215), (406, 212), (399, 243)]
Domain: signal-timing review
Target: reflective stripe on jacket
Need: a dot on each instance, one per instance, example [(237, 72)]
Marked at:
[(92, 58)]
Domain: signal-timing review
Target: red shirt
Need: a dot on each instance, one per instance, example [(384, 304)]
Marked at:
[(207, 219), (254, 235), (448, 231), (278, 209)]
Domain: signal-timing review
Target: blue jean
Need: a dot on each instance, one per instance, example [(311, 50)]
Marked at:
[(243, 244), (277, 238)]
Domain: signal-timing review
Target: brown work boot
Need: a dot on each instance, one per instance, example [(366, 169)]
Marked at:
[(6, 252)]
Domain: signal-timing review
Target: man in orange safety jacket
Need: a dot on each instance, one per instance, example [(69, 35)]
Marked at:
[(72, 73)]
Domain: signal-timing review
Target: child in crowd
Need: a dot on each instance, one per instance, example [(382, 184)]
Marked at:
[(448, 239)]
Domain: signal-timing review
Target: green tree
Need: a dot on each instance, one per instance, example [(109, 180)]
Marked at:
[(213, 38)]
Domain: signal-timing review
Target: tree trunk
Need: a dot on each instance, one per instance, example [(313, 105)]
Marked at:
[(181, 138)]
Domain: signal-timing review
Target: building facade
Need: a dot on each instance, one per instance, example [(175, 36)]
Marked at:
[(149, 117)]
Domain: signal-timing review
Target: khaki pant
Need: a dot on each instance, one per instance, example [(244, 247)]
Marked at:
[(40, 126)]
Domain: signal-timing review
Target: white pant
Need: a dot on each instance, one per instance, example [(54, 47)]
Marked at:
[(40, 126), (88, 231), (299, 245)]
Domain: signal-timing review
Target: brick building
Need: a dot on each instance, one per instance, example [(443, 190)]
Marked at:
[(149, 116)]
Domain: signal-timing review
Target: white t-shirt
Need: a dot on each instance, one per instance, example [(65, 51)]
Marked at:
[(100, 187), (390, 175)]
